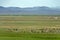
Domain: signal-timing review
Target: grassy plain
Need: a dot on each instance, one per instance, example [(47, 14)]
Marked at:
[(25, 24)]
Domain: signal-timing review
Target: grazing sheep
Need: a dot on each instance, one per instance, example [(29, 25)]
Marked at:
[(55, 18), (51, 17), (12, 30)]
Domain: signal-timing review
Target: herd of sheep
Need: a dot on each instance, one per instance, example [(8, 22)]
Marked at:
[(40, 30)]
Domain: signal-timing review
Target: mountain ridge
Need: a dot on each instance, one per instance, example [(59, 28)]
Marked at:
[(43, 10)]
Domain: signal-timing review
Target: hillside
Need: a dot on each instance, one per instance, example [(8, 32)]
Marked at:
[(29, 11)]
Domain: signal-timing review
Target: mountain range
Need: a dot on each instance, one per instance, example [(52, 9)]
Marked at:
[(43, 10)]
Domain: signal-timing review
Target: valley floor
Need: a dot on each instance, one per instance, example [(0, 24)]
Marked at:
[(29, 27)]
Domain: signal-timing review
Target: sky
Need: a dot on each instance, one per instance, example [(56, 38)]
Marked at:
[(29, 3)]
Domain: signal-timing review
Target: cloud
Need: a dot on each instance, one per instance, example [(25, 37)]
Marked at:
[(30, 3)]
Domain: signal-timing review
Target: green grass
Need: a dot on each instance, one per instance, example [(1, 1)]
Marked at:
[(26, 23), (28, 36)]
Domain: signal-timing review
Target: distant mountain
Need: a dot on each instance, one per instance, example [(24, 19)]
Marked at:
[(29, 11)]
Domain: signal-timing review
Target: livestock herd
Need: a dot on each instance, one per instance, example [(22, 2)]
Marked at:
[(40, 30)]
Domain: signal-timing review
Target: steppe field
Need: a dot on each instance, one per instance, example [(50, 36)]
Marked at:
[(30, 27)]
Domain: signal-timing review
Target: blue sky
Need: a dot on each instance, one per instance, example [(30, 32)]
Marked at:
[(30, 3)]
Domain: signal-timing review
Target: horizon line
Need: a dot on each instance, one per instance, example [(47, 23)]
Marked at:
[(26, 7)]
